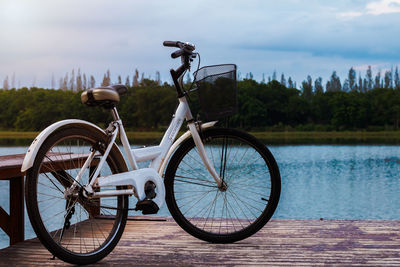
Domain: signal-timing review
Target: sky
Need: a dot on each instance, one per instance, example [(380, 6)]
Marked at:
[(45, 38)]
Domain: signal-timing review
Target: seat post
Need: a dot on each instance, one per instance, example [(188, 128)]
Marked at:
[(114, 113), (124, 140)]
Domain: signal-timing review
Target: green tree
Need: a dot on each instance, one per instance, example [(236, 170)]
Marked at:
[(334, 85), (290, 83), (307, 88), (85, 82), (92, 83), (346, 86), (263, 78), (352, 79), (274, 78), (64, 85), (361, 86), (79, 84), (71, 84), (136, 78), (396, 78), (106, 79), (378, 80), (6, 84), (388, 79), (283, 80), (370, 82), (158, 78), (127, 82), (318, 86)]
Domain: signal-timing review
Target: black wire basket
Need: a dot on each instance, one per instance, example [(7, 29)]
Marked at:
[(217, 91)]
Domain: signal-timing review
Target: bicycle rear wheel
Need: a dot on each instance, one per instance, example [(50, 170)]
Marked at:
[(223, 215), (74, 228)]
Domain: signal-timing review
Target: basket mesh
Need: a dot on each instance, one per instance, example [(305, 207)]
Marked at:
[(217, 90)]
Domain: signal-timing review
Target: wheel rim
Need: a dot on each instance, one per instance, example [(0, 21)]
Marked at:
[(218, 211), (77, 224)]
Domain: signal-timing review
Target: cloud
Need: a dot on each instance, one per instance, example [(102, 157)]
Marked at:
[(383, 7), (375, 8), (349, 15)]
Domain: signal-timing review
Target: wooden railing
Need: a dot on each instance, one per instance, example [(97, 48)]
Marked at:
[(13, 224)]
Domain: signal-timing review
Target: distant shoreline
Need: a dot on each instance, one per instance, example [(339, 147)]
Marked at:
[(295, 137)]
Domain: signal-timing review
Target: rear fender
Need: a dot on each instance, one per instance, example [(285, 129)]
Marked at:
[(38, 141)]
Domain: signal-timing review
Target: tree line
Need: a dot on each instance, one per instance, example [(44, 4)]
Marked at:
[(262, 106), (78, 81)]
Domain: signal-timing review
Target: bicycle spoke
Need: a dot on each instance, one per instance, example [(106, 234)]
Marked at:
[(193, 169), (191, 196), (80, 232), (246, 204), (183, 181), (227, 211), (205, 194), (191, 178), (212, 207)]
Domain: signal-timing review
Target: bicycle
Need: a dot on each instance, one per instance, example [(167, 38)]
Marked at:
[(221, 185)]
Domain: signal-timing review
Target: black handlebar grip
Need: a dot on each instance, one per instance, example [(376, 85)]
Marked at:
[(177, 53), (171, 43)]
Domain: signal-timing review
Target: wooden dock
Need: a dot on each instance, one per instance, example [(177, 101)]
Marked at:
[(152, 241)]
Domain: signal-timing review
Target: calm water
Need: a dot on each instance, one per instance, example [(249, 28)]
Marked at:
[(318, 181)]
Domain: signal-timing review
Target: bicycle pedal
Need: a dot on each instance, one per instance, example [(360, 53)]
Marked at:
[(147, 206)]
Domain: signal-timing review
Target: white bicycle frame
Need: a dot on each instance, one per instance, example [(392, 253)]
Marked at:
[(158, 155)]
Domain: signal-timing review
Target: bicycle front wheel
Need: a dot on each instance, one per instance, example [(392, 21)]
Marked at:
[(72, 227), (229, 214)]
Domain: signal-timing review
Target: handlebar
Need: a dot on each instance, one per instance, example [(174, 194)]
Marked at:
[(185, 51), (184, 48), (171, 43), (178, 53)]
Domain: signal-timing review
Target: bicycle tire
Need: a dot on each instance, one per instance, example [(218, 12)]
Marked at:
[(58, 234), (235, 222)]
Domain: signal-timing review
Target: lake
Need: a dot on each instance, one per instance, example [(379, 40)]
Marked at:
[(318, 181)]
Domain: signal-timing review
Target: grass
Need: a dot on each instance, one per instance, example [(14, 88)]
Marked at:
[(327, 135), (17, 135), (271, 136)]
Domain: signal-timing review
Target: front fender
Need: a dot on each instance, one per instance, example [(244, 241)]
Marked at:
[(38, 141), (177, 143)]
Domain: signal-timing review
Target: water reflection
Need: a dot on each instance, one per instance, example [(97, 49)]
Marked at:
[(339, 182)]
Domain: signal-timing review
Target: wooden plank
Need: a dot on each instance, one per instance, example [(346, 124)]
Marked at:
[(10, 161), (279, 243), (10, 165), (17, 222)]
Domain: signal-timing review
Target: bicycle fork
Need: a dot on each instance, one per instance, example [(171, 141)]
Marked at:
[(203, 155)]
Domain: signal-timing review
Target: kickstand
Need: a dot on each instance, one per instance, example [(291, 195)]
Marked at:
[(53, 258)]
